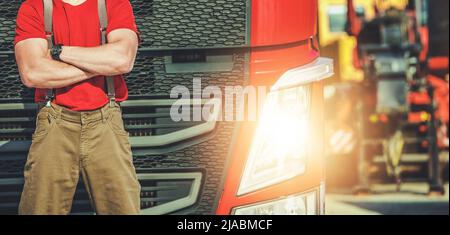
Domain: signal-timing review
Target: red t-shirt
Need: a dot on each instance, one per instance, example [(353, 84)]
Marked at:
[(77, 26)]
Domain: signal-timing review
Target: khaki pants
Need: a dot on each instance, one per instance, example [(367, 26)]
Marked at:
[(67, 144)]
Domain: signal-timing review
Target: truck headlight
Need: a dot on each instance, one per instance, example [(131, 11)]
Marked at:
[(303, 204), (279, 150)]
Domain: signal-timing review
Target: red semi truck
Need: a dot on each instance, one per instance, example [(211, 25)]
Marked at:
[(271, 166)]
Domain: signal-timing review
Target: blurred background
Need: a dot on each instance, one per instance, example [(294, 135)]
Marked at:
[(387, 105)]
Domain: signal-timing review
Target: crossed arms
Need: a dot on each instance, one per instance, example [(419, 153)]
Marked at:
[(38, 70)]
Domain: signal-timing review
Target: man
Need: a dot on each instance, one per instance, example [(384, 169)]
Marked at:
[(80, 131)]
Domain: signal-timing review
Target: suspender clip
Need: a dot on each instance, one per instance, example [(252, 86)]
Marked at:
[(49, 98), (112, 102)]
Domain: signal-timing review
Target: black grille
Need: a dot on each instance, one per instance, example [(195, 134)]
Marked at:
[(210, 155), (152, 121), (149, 76), (17, 125), (166, 23), (8, 14), (194, 23), (11, 166), (10, 84)]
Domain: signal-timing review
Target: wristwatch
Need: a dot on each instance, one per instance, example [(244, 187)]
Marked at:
[(56, 52)]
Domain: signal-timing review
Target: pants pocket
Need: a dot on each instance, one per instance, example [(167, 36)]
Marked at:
[(116, 124), (44, 123)]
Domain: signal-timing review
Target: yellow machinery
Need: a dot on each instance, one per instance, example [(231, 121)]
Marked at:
[(334, 40)]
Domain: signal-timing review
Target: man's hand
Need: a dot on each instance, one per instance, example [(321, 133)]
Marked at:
[(38, 70), (114, 58)]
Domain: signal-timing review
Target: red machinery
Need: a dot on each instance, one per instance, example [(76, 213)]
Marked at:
[(404, 99)]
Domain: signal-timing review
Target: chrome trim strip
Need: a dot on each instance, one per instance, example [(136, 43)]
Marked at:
[(177, 204), (11, 181), (318, 70), (178, 136), (171, 138), (18, 106)]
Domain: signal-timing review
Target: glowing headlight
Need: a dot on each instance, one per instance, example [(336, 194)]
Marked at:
[(304, 204), (279, 150)]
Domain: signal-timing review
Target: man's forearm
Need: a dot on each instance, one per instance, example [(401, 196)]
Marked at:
[(51, 74), (109, 59)]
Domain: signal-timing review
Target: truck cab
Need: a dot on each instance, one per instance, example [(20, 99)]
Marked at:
[(271, 165)]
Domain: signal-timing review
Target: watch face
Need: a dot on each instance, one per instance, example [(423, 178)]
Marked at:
[(56, 51)]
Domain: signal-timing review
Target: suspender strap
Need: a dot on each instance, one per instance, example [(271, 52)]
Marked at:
[(48, 21), (103, 17)]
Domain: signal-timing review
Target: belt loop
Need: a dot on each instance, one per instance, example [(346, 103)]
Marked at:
[(103, 113), (58, 114)]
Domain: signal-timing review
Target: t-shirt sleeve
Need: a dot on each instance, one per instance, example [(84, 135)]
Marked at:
[(121, 16), (29, 23)]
